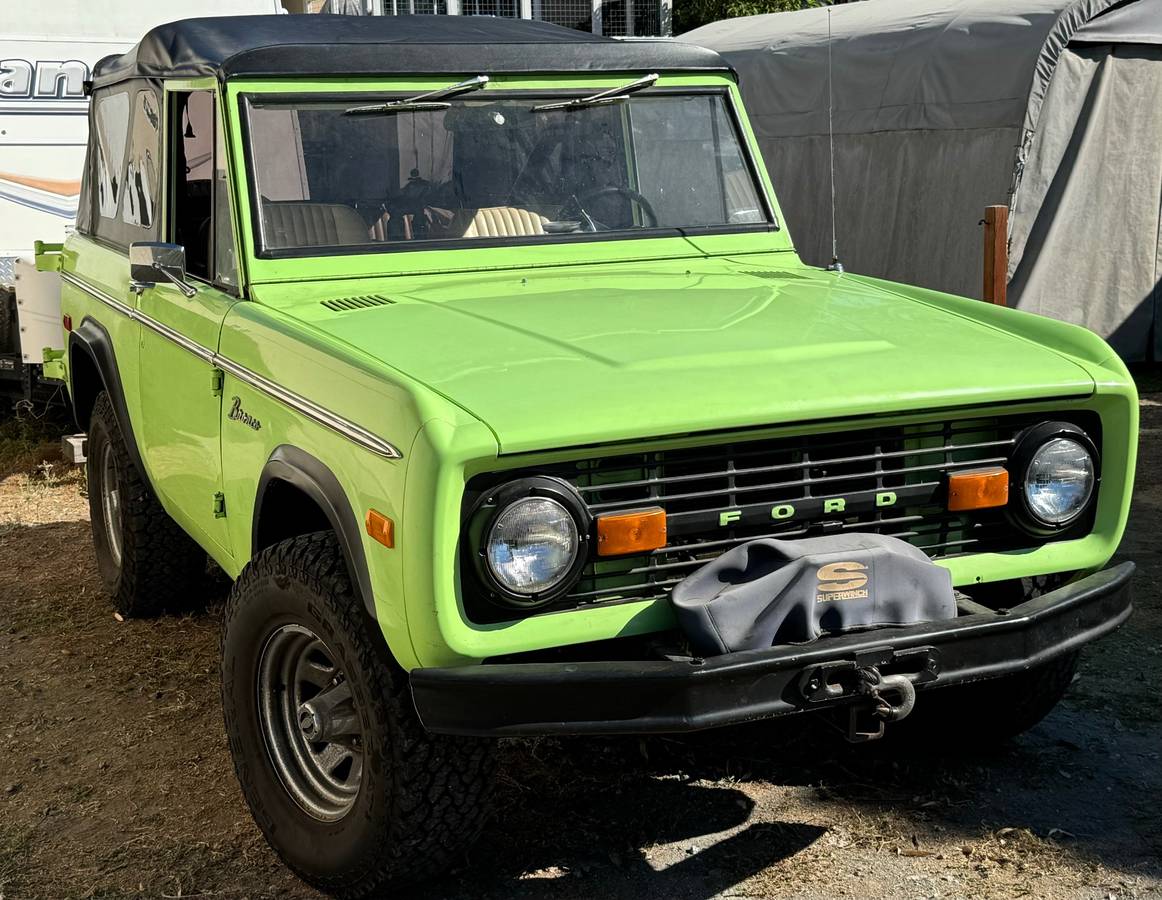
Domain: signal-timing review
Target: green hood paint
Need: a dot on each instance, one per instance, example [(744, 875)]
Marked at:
[(585, 355)]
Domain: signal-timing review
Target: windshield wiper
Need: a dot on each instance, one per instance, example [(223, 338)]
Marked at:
[(613, 95), (420, 102)]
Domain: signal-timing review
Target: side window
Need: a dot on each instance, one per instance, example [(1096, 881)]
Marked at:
[(111, 121), (122, 187), (139, 205), (200, 202)]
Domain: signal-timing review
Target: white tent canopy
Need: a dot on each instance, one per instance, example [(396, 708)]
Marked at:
[(943, 107)]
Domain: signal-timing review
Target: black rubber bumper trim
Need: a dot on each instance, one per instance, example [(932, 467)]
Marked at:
[(674, 696)]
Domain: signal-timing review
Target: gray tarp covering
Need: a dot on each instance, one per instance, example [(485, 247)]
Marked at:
[(344, 8), (1084, 229), (941, 109), (1135, 23)]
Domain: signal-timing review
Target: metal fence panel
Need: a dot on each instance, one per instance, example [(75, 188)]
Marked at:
[(612, 18), (569, 13)]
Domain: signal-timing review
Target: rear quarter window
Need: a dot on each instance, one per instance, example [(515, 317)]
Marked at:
[(123, 175)]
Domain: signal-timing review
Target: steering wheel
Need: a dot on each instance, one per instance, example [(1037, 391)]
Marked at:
[(633, 196)]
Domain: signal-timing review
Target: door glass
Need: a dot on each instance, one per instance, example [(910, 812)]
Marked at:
[(192, 214), (201, 199), (225, 266)]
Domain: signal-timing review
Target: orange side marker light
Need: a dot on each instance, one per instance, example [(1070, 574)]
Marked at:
[(978, 489), (631, 532), (380, 527)]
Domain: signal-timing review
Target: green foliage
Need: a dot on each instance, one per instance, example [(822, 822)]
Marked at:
[(690, 14)]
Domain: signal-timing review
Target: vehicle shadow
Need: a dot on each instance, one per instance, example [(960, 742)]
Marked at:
[(586, 817), (595, 837)]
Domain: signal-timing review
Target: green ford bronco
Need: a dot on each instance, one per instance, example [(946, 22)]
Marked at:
[(476, 353)]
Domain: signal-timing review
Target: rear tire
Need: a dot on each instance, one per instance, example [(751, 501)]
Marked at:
[(988, 713), (146, 562), (357, 799)]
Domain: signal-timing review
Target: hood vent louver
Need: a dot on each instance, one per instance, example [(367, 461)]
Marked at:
[(363, 301), (772, 274)]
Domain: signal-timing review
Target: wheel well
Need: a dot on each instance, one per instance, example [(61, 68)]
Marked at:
[(86, 383), (286, 511)]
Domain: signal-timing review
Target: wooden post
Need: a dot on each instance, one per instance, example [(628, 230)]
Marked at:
[(996, 254)]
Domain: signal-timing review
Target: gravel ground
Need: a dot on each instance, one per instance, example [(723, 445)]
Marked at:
[(115, 778)]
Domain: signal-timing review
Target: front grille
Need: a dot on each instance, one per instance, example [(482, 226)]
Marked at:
[(749, 480)]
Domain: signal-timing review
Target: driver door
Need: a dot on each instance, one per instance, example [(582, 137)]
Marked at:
[(181, 398)]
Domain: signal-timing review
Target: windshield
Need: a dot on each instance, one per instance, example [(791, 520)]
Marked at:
[(327, 174)]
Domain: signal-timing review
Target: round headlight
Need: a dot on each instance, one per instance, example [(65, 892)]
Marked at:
[(1059, 481), (532, 545)]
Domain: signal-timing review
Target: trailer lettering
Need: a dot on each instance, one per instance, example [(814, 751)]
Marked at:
[(15, 78), (47, 79), (64, 79)]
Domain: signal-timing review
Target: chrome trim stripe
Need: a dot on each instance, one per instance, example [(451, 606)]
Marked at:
[(113, 302), (324, 417), (345, 427)]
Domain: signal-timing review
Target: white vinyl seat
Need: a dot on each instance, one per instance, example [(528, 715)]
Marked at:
[(303, 223), (504, 221)]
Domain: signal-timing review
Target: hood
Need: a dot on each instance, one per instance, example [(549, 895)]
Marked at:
[(585, 355)]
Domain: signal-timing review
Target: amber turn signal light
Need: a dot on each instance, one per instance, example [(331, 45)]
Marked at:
[(380, 527), (978, 489), (631, 532)]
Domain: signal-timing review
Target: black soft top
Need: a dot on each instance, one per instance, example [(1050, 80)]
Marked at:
[(279, 45)]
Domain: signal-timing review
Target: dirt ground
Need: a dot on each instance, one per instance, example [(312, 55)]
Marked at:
[(115, 778)]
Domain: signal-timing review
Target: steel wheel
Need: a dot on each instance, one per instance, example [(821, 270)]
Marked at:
[(111, 501), (309, 723)]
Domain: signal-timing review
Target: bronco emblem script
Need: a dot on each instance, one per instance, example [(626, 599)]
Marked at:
[(238, 414), (842, 581)]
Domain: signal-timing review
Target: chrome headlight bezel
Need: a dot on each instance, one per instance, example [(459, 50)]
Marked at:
[(1029, 445), (489, 511)]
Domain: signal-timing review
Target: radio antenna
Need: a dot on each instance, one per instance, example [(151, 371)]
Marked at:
[(836, 265)]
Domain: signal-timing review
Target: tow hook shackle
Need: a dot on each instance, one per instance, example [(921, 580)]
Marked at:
[(886, 698), (874, 699), (884, 689)]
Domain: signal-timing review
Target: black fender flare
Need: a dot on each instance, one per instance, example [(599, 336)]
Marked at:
[(91, 339), (311, 476)]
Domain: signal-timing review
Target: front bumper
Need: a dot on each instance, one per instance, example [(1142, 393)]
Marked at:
[(632, 697)]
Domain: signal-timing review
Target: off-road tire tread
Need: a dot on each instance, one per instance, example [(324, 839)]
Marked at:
[(440, 785), (162, 569)]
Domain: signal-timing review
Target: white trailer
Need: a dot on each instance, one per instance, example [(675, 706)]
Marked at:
[(46, 54)]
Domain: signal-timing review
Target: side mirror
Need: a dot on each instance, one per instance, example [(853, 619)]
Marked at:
[(152, 263)]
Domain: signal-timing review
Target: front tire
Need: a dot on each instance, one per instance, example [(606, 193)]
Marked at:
[(146, 562), (345, 784)]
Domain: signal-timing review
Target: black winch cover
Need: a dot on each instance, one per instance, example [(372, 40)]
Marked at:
[(768, 591)]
